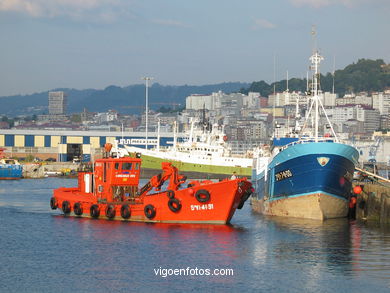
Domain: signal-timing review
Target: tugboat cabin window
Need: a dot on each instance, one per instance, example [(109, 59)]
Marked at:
[(126, 166)]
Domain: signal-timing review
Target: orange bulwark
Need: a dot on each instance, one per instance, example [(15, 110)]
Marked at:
[(111, 192)]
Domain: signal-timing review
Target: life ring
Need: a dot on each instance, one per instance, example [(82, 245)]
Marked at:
[(78, 208), (170, 193), (125, 211), (66, 207), (150, 211), (174, 205), (202, 195), (94, 211), (53, 203), (110, 211)]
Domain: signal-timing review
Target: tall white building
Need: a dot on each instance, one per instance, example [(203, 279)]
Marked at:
[(329, 99), (341, 114), (198, 102), (287, 98), (369, 116), (252, 100), (381, 102), (57, 103), (220, 100)]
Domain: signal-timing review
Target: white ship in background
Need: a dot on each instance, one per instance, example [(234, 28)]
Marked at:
[(204, 150)]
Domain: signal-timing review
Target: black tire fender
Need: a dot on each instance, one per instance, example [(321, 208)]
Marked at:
[(150, 211), (110, 211), (244, 198), (202, 195), (174, 205), (78, 208), (53, 203), (94, 211), (66, 207), (125, 211)]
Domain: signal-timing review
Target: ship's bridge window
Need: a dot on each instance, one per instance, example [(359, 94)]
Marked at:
[(126, 166)]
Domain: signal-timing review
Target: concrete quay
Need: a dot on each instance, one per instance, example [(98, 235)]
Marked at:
[(45, 169), (373, 203)]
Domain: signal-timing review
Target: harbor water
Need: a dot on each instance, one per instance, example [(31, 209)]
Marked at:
[(43, 251)]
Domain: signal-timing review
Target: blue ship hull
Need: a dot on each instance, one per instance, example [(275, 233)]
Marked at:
[(10, 171), (303, 174)]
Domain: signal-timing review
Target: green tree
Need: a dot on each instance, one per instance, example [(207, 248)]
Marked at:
[(364, 75)]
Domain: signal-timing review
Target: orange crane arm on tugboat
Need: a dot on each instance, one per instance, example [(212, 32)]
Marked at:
[(169, 172)]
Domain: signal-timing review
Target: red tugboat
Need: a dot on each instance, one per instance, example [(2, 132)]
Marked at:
[(111, 192)]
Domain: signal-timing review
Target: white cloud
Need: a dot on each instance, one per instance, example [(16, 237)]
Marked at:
[(102, 9), (27, 7), (263, 24)]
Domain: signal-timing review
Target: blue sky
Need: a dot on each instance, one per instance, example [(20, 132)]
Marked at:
[(47, 44)]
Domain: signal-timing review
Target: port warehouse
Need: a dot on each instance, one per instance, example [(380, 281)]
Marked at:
[(64, 145)]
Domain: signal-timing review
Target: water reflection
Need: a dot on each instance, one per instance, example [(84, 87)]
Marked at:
[(371, 249), (337, 246), (325, 243), (219, 241), (53, 253), (123, 248), (298, 241)]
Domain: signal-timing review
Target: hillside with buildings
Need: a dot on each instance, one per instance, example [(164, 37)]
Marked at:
[(248, 118), (364, 75), (247, 121), (125, 100)]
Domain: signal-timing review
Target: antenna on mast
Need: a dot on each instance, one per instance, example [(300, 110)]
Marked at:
[(314, 37)]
